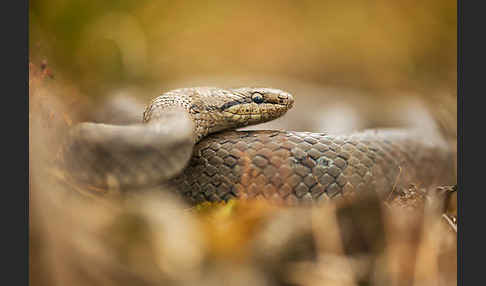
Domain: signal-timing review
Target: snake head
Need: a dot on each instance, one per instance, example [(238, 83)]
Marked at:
[(256, 105)]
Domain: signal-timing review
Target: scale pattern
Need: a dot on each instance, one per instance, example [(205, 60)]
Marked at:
[(289, 167)]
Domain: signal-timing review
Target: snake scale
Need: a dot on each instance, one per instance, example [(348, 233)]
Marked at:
[(187, 143)]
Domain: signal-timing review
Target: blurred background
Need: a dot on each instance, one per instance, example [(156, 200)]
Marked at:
[(377, 45), (350, 65)]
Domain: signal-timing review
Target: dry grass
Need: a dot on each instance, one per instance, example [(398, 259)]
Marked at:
[(154, 239)]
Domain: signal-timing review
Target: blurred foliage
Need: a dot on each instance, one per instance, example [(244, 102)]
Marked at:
[(373, 44), (154, 239), (94, 46)]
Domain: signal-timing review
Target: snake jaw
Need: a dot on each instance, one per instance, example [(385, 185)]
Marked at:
[(252, 113)]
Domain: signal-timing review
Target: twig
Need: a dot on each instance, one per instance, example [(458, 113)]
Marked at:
[(395, 184), (451, 223)]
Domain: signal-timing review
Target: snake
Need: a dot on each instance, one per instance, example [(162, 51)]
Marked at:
[(188, 142)]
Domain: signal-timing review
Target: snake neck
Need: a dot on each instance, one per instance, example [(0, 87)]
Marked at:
[(163, 108), (205, 119)]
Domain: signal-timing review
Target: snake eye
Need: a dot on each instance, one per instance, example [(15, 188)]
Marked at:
[(257, 98)]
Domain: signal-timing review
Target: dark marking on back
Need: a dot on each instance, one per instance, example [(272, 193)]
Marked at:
[(229, 104)]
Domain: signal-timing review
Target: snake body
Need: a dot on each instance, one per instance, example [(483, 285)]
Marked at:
[(292, 166), (183, 144)]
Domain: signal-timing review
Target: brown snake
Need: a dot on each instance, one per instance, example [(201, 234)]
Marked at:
[(180, 145)]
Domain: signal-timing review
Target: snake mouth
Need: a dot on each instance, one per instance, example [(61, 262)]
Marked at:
[(280, 98)]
